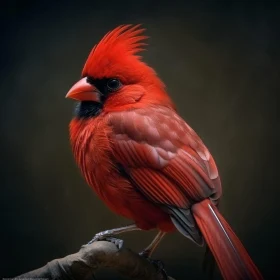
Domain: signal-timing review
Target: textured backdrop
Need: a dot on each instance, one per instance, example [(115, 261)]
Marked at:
[(220, 61)]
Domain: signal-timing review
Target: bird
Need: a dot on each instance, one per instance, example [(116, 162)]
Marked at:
[(141, 157)]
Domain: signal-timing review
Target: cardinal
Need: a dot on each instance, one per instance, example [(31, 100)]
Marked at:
[(142, 159)]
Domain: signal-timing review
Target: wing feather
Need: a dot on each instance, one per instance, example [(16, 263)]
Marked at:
[(166, 161)]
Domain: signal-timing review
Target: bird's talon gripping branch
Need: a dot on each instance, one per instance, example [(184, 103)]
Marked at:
[(101, 236), (158, 264), (116, 241), (160, 267)]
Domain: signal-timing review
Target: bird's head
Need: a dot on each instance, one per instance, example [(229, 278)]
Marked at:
[(114, 78)]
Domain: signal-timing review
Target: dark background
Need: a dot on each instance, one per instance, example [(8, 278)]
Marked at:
[(220, 62)]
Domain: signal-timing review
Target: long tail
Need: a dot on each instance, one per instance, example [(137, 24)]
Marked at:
[(230, 255)]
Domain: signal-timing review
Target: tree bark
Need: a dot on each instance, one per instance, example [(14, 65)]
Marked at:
[(101, 254)]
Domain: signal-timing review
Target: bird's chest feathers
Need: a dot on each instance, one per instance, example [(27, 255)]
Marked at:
[(91, 148)]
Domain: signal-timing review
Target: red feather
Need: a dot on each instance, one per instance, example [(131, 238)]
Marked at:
[(117, 49)]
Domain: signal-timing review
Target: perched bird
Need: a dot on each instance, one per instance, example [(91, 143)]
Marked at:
[(142, 159)]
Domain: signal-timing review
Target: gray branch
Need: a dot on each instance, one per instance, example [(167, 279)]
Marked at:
[(90, 258)]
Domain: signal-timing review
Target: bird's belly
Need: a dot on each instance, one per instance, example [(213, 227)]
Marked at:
[(122, 198)]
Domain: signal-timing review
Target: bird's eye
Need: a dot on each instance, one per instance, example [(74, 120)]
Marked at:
[(113, 84)]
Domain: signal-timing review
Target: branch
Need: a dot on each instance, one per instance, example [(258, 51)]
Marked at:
[(90, 258)]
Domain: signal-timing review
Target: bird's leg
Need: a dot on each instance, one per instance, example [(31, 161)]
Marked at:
[(108, 234), (150, 249)]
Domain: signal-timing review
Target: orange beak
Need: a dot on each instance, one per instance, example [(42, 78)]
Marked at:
[(84, 91)]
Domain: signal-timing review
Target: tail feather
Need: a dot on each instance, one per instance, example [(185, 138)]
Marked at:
[(229, 253)]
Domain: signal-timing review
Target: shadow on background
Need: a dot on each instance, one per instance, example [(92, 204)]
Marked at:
[(219, 60)]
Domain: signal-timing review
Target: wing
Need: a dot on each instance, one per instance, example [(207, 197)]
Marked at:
[(166, 161)]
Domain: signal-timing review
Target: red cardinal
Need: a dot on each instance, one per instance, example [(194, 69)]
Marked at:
[(142, 159)]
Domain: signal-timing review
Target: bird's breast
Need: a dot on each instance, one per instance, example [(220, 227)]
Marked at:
[(91, 149)]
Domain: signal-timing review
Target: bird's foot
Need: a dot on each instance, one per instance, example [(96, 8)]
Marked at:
[(116, 241), (101, 236), (107, 235), (160, 268), (157, 263)]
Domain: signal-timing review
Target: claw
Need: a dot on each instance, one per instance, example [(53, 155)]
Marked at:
[(157, 263), (101, 236), (160, 267), (116, 241), (107, 236)]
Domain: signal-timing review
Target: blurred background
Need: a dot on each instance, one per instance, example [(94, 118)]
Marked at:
[(220, 61)]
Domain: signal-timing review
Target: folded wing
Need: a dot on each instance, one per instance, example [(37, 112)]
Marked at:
[(166, 161)]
